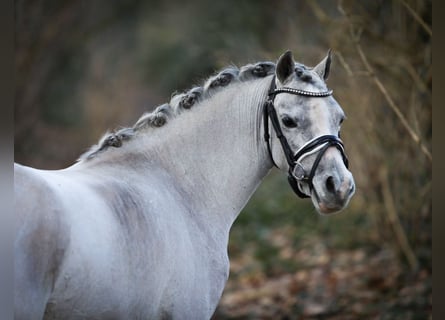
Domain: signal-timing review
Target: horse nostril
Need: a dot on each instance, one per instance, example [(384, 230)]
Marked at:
[(330, 184)]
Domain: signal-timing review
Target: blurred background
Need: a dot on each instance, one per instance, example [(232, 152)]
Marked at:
[(84, 67)]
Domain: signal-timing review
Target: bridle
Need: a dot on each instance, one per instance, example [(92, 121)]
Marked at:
[(319, 144)]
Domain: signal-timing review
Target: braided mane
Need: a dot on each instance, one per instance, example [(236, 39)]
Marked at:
[(179, 103)]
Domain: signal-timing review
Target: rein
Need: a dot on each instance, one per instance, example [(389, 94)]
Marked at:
[(319, 144)]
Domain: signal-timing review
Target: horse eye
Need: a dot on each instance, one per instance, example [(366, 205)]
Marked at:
[(289, 122), (341, 121), (339, 124)]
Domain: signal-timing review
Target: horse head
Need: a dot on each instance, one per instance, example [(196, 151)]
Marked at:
[(306, 143)]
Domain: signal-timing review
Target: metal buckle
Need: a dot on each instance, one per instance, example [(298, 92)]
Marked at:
[(298, 172)]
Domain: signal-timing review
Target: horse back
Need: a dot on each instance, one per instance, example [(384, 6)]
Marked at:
[(41, 241)]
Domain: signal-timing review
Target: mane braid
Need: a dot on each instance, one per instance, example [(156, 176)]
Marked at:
[(180, 102)]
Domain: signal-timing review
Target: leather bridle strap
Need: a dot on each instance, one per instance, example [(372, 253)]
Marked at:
[(272, 114), (319, 144)]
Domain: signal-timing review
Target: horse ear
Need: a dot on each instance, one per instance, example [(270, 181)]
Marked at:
[(285, 66), (322, 69)]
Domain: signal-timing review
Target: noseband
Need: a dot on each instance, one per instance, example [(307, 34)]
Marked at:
[(319, 144)]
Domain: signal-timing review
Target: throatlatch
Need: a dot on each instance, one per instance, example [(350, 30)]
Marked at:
[(319, 144)]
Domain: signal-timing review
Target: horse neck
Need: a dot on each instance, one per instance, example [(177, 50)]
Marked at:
[(213, 154), (215, 151)]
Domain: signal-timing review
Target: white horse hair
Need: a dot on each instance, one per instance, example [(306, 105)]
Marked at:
[(138, 228)]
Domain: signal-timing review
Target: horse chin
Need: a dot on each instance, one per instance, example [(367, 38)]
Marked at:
[(326, 208)]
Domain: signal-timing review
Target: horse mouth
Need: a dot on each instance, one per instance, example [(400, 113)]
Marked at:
[(328, 209), (330, 206), (331, 202)]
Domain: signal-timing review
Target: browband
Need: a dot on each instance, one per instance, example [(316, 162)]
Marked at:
[(301, 92)]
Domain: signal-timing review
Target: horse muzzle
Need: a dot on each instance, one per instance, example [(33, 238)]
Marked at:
[(332, 192)]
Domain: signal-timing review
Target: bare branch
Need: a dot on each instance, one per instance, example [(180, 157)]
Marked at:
[(344, 63), (318, 11), (417, 17), (414, 136), (421, 85), (394, 221)]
